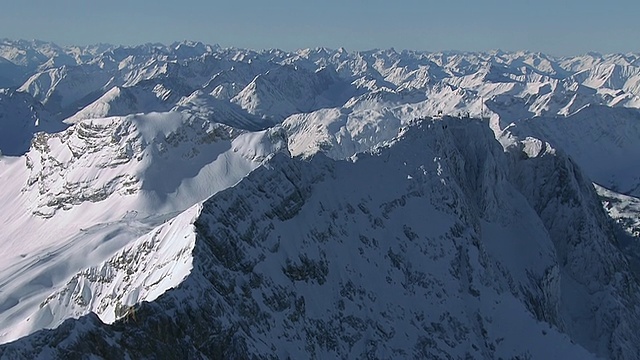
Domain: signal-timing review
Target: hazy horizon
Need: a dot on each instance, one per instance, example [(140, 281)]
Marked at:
[(569, 28)]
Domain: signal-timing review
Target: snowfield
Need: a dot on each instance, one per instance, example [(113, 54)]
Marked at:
[(196, 201)]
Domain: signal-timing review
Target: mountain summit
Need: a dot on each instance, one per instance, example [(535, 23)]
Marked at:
[(193, 201)]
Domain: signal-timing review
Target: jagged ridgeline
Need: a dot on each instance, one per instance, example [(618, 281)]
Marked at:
[(190, 201)]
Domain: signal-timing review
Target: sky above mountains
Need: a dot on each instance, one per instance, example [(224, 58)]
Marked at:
[(569, 27)]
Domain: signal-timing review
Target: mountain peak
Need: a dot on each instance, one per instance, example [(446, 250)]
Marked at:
[(197, 201)]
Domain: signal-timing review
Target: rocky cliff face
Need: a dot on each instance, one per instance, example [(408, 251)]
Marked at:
[(80, 196), (597, 299), (431, 246), (271, 204)]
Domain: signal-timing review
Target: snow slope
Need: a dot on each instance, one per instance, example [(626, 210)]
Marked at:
[(160, 178), (122, 101), (313, 259), (274, 84), (79, 196), (625, 211), (20, 118), (143, 270), (604, 141)]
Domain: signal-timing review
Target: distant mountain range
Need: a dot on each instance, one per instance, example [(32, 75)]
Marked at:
[(193, 201)]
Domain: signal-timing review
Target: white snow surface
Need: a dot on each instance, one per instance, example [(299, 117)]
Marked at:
[(602, 140), (79, 196), (109, 155), (143, 270)]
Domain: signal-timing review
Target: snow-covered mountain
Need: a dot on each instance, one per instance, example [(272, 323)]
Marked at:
[(79, 195), (21, 117), (604, 141), (191, 200)]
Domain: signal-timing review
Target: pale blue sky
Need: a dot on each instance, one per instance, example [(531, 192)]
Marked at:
[(561, 27)]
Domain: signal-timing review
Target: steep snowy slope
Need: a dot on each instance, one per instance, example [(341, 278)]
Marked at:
[(108, 152), (602, 140), (625, 210), (35, 54), (20, 118), (450, 252), (122, 101), (79, 196), (341, 133), (11, 75), (142, 271), (273, 84), (208, 106), (60, 89), (287, 90), (598, 299)]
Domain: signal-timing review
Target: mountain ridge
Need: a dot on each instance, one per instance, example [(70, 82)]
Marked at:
[(233, 230), (274, 185)]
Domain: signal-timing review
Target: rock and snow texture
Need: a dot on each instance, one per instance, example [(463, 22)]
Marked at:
[(80, 195), (272, 85), (450, 251), (142, 271), (21, 117), (308, 258), (290, 204)]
